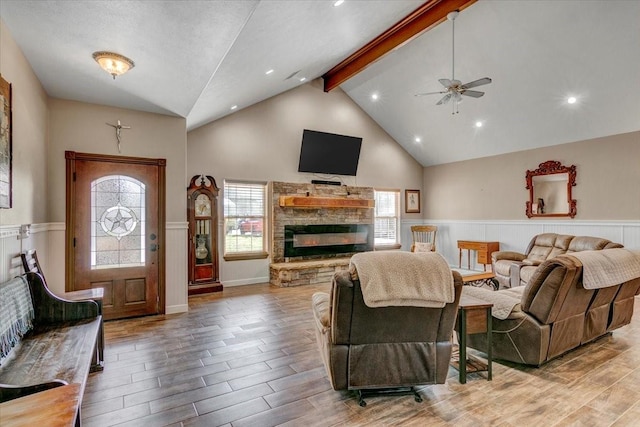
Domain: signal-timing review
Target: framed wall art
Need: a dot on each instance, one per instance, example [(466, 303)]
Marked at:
[(5, 144), (412, 201)]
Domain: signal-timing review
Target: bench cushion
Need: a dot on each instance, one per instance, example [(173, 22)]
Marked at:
[(63, 351), (16, 313)]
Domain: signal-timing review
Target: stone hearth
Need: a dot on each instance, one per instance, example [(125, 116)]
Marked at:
[(285, 274)]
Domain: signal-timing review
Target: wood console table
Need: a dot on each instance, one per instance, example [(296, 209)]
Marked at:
[(483, 249)]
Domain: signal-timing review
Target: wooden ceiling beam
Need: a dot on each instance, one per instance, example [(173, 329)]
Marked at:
[(430, 14)]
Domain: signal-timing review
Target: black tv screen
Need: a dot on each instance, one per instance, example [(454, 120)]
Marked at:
[(329, 153)]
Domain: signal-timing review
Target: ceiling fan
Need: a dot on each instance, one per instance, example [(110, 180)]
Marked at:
[(454, 88)]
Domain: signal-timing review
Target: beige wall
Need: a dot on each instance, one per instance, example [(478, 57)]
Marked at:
[(262, 143), (29, 108), (493, 188), (82, 127)]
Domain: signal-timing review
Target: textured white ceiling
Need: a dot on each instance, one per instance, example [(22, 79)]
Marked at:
[(196, 59)]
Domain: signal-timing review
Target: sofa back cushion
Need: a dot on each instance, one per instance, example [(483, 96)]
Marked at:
[(548, 245), (587, 243), (555, 291)]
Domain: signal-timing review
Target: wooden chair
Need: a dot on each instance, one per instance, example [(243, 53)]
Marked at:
[(423, 234)]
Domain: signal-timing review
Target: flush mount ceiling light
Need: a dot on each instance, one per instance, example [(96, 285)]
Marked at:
[(113, 63)]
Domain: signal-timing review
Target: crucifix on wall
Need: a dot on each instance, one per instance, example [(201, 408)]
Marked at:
[(119, 128)]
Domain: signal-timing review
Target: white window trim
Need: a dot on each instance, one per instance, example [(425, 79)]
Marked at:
[(246, 255), (398, 242)]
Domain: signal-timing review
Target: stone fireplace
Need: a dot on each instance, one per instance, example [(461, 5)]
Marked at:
[(316, 229)]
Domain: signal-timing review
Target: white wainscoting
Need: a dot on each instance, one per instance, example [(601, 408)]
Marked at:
[(9, 248), (176, 261), (516, 235), (49, 240)]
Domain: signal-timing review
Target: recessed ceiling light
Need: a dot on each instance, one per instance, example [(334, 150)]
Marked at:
[(269, 71), (418, 139), (479, 124), (303, 79), (233, 107), (374, 96), (338, 3), (571, 100)]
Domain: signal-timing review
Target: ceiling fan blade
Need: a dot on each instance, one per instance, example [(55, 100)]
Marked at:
[(479, 82), (429, 93), (445, 82), (472, 93), (444, 100)]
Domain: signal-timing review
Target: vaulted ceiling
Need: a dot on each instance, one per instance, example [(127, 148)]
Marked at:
[(196, 59)]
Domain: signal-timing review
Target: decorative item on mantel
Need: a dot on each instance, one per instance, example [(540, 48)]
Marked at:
[(202, 213)]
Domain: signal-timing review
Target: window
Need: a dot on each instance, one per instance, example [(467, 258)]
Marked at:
[(117, 222), (244, 220), (387, 218)]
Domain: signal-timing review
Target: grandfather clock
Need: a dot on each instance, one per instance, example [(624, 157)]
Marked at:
[(202, 212)]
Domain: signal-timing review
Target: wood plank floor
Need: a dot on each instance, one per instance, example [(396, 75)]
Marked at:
[(248, 357)]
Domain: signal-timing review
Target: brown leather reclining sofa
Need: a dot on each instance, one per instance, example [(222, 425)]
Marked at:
[(554, 313), (515, 269)]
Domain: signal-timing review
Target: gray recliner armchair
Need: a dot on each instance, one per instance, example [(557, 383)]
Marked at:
[(366, 348)]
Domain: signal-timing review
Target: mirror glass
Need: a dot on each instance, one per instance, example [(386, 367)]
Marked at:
[(550, 190)]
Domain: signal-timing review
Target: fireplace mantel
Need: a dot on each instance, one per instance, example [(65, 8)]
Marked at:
[(324, 202)]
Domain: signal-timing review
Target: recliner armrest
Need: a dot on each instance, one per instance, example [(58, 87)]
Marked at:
[(514, 269), (50, 308), (507, 255)]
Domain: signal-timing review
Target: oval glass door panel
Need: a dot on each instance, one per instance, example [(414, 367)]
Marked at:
[(118, 225)]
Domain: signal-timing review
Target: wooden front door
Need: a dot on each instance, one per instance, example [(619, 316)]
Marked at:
[(115, 231)]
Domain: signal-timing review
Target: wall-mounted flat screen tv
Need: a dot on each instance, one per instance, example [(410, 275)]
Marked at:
[(329, 153)]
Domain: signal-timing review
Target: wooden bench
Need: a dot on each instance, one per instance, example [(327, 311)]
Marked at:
[(58, 348)]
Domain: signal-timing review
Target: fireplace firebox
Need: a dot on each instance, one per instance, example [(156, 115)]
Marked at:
[(327, 239)]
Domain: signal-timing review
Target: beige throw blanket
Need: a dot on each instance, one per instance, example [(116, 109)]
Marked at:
[(394, 278), (608, 267), (504, 301)]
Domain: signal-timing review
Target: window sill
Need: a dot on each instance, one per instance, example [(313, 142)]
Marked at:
[(387, 247), (245, 256)]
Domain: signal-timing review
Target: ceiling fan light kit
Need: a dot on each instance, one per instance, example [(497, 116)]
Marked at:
[(454, 88)]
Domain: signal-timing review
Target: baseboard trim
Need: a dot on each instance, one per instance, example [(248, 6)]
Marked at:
[(180, 308), (242, 282)]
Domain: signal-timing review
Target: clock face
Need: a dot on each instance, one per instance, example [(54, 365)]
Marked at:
[(202, 205)]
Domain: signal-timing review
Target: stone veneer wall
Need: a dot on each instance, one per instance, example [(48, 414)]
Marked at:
[(303, 216)]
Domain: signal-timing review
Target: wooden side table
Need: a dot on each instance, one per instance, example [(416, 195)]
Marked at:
[(97, 295), (474, 317), (483, 250)]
